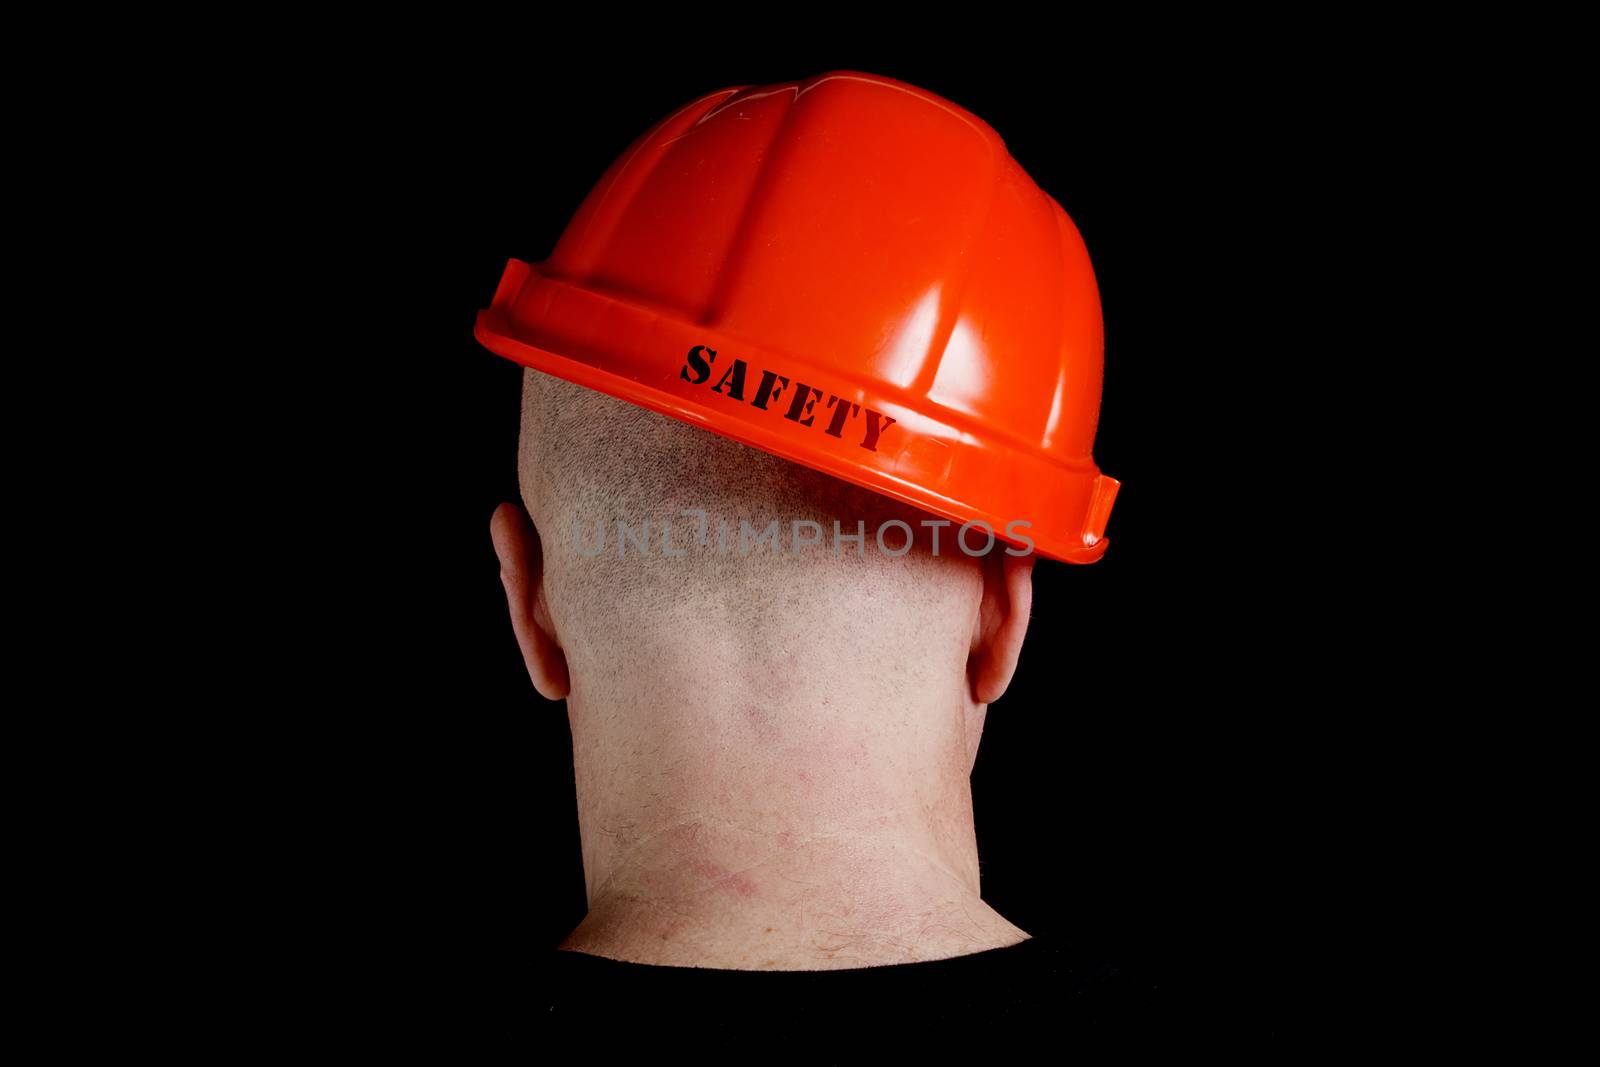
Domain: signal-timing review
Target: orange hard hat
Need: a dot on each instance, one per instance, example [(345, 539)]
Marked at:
[(851, 273)]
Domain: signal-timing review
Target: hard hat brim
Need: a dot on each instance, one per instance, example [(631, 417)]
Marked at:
[(941, 463)]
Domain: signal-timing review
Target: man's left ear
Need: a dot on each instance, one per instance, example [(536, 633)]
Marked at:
[(1002, 623), (516, 542)]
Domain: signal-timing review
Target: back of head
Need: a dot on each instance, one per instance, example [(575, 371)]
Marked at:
[(777, 672), (683, 568)]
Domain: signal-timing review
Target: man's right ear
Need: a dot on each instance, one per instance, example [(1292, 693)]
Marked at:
[(516, 542)]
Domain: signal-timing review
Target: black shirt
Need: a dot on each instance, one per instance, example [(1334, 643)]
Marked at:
[(1038, 986)]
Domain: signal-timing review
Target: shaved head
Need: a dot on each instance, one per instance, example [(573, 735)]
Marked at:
[(589, 461), (765, 731)]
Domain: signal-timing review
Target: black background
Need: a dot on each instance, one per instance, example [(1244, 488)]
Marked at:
[(1138, 789)]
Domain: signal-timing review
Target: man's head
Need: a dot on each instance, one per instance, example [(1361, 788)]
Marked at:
[(775, 700), (620, 600)]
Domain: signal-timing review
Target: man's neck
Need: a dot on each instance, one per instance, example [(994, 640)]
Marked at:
[(797, 867)]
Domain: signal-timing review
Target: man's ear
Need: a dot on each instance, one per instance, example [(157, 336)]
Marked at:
[(1002, 623), (516, 542)]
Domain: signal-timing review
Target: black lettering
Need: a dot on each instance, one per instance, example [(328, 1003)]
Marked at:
[(805, 398), (736, 386), (702, 368), (765, 391), (876, 424), (844, 410)]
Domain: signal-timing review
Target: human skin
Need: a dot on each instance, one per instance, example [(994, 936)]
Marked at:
[(772, 751)]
